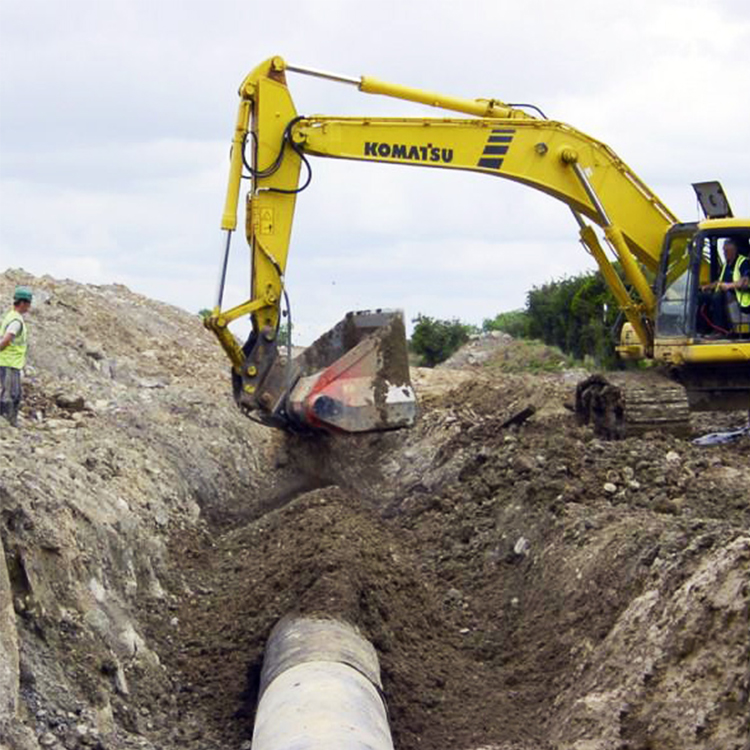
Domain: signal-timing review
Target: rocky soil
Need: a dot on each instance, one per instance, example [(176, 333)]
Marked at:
[(525, 585)]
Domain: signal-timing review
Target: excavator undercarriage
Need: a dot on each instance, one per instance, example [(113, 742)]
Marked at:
[(628, 404)]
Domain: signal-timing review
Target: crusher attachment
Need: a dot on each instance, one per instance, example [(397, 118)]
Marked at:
[(354, 378)]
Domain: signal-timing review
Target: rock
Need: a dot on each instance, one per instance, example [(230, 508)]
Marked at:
[(521, 547), (95, 352), (477, 358), (9, 661), (523, 465), (62, 425), (610, 488), (47, 739), (155, 382), (121, 683), (69, 402), (664, 505), (453, 596), (672, 457)]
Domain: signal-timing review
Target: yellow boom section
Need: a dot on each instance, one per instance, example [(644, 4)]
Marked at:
[(265, 113), (538, 153)]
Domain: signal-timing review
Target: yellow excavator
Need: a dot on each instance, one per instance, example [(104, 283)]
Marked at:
[(355, 378)]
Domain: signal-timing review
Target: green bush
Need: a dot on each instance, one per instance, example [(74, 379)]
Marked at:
[(284, 336), (514, 322), (577, 315), (435, 340)]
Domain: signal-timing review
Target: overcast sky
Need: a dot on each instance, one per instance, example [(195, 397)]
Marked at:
[(116, 118)]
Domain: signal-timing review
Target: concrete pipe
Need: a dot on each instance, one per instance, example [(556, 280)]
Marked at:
[(320, 690)]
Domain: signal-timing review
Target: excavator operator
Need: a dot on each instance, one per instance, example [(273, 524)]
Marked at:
[(733, 283)]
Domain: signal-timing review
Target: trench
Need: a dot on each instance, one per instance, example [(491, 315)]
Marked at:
[(489, 567), (328, 543), (476, 638)]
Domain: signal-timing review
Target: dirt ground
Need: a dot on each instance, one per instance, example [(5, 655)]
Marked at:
[(526, 587), (496, 597)]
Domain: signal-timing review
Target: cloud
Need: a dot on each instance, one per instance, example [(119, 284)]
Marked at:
[(451, 277), (116, 119)]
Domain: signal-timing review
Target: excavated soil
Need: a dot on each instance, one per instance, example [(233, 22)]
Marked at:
[(494, 597), (526, 586)]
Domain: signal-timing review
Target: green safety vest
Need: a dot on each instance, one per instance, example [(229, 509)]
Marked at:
[(14, 355), (743, 295)]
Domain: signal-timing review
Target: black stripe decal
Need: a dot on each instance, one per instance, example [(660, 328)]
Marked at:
[(495, 150), (500, 139), (503, 130), (490, 163)]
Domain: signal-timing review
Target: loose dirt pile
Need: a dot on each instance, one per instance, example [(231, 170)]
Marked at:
[(501, 353), (525, 586)]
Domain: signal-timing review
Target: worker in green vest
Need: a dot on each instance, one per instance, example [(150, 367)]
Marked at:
[(14, 343)]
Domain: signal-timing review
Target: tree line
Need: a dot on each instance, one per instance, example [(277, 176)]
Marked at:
[(578, 315)]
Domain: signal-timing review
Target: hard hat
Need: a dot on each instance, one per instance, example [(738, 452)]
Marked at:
[(22, 294)]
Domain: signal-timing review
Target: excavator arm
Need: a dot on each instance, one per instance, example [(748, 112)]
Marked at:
[(264, 117), (355, 378), (271, 144)]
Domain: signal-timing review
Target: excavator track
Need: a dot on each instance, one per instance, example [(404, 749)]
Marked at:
[(628, 404)]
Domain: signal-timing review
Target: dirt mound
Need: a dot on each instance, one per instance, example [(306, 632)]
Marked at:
[(128, 437), (501, 352), (525, 584)]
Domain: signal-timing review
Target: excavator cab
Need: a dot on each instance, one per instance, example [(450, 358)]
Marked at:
[(733, 317), (701, 333), (676, 284), (692, 260)]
